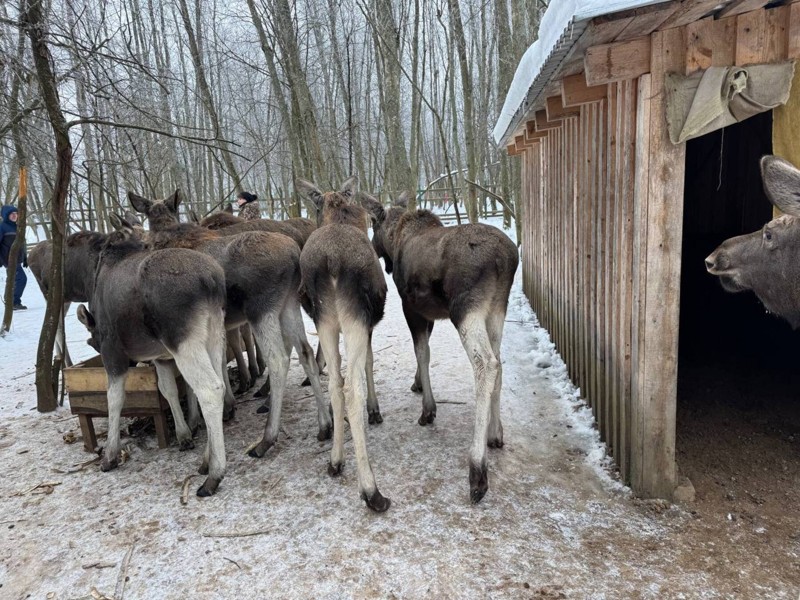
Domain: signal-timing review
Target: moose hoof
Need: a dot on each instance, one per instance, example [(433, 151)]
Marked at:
[(416, 387), (208, 488), (264, 408), (260, 450), (376, 501), (325, 433), (107, 464), (186, 444), (427, 417), (228, 413), (263, 391), (335, 470), (478, 482), (375, 417), (242, 389), (496, 443)]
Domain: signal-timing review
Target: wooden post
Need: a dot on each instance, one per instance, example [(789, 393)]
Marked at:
[(660, 169)]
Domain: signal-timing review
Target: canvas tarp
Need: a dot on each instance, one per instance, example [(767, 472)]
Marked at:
[(720, 96)]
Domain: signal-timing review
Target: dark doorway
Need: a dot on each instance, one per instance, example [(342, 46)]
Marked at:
[(738, 422)]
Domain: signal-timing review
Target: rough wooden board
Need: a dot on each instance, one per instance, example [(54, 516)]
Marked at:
[(555, 109), (575, 92), (737, 7), (617, 61), (659, 297), (689, 11)]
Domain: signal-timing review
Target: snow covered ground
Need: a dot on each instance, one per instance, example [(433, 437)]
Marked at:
[(554, 524)]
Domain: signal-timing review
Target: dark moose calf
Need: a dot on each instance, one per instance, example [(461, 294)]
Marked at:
[(463, 273)]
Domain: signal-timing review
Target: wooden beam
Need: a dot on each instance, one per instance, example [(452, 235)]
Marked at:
[(738, 7), (575, 92), (542, 123), (512, 149), (690, 11), (617, 61), (519, 143), (554, 106), (534, 136)]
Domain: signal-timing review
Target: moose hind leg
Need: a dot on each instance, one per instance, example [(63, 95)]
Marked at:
[(116, 400), (356, 342), (268, 333), (165, 372), (373, 410), (416, 387), (328, 331), (485, 367), (294, 329), (420, 333), (197, 365), (235, 342), (494, 324), (252, 356)]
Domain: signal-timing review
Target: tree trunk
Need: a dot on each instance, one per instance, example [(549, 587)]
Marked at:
[(46, 384), (469, 123), (205, 93)]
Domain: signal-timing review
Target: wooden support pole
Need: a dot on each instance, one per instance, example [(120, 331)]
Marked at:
[(658, 224)]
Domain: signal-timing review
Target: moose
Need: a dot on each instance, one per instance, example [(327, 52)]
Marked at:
[(161, 306), (463, 273), (768, 261), (262, 275), (344, 291)]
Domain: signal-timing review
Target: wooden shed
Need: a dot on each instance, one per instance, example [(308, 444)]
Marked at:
[(606, 194)]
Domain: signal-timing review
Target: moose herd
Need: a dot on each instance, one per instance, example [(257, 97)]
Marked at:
[(175, 293)]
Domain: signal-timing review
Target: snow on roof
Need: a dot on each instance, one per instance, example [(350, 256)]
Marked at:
[(562, 24)]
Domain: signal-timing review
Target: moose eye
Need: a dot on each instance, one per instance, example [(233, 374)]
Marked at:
[(767, 235)]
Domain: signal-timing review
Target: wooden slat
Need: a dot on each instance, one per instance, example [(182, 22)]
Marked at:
[(617, 61), (689, 11), (575, 92), (94, 379), (555, 109), (737, 7)]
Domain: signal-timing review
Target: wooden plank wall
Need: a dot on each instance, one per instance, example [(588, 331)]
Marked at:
[(578, 212), (602, 210)]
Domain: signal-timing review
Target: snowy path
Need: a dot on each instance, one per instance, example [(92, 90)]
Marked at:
[(554, 524)]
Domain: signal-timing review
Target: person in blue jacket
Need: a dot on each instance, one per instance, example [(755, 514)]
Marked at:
[(8, 233)]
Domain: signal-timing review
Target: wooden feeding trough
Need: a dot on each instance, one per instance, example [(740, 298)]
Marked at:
[(87, 385)]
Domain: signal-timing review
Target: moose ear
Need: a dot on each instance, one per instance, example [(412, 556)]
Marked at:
[(374, 208), (228, 208), (116, 222), (131, 219), (85, 317), (139, 204), (173, 201), (781, 184), (402, 200), (349, 186), (309, 190)]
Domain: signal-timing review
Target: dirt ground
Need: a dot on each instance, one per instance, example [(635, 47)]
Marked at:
[(554, 524)]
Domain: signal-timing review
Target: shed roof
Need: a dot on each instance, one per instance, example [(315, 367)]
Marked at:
[(561, 27)]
